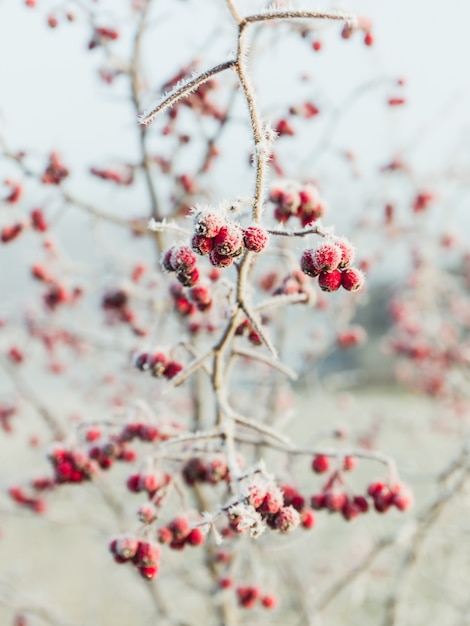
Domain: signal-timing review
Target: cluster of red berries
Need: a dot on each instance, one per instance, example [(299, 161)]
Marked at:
[(18, 495), (293, 498), (178, 533), (292, 199), (55, 171), (331, 262), (143, 554), (198, 470), (182, 261), (157, 364), (37, 222), (151, 482), (250, 595), (268, 502), (72, 466), (335, 500), (116, 304), (224, 240)]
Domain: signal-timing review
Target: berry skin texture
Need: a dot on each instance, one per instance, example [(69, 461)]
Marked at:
[(320, 464), (307, 263), (327, 257), (347, 252), (331, 281), (219, 260), (229, 240), (352, 279), (255, 238), (208, 224), (182, 259), (201, 245), (287, 519)]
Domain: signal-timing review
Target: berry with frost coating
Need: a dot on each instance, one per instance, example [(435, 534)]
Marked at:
[(330, 281), (201, 245), (352, 279), (255, 238), (208, 223), (229, 240), (327, 256), (287, 519), (219, 260)]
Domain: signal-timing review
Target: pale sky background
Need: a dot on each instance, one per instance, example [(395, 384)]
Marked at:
[(51, 98)]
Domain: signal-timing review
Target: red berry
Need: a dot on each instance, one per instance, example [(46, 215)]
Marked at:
[(317, 45), (207, 223), (195, 537), (201, 245), (320, 464), (287, 519), (149, 572), (269, 602), (330, 281), (219, 260), (179, 527), (307, 263), (307, 518), (255, 238), (352, 279), (229, 240), (368, 39), (327, 256)]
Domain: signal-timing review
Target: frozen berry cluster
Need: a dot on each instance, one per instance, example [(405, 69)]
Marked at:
[(293, 199), (224, 240), (331, 263), (182, 261), (158, 364)]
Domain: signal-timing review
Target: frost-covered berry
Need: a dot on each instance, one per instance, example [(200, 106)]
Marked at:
[(330, 281), (201, 296), (219, 260), (208, 223), (229, 240), (182, 259), (347, 252), (188, 278), (287, 519), (327, 256), (201, 244), (255, 238), (166, 259), (179, 527), (273, 501), (125, 546), (147, 554), (352, 279), (307, 263)]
